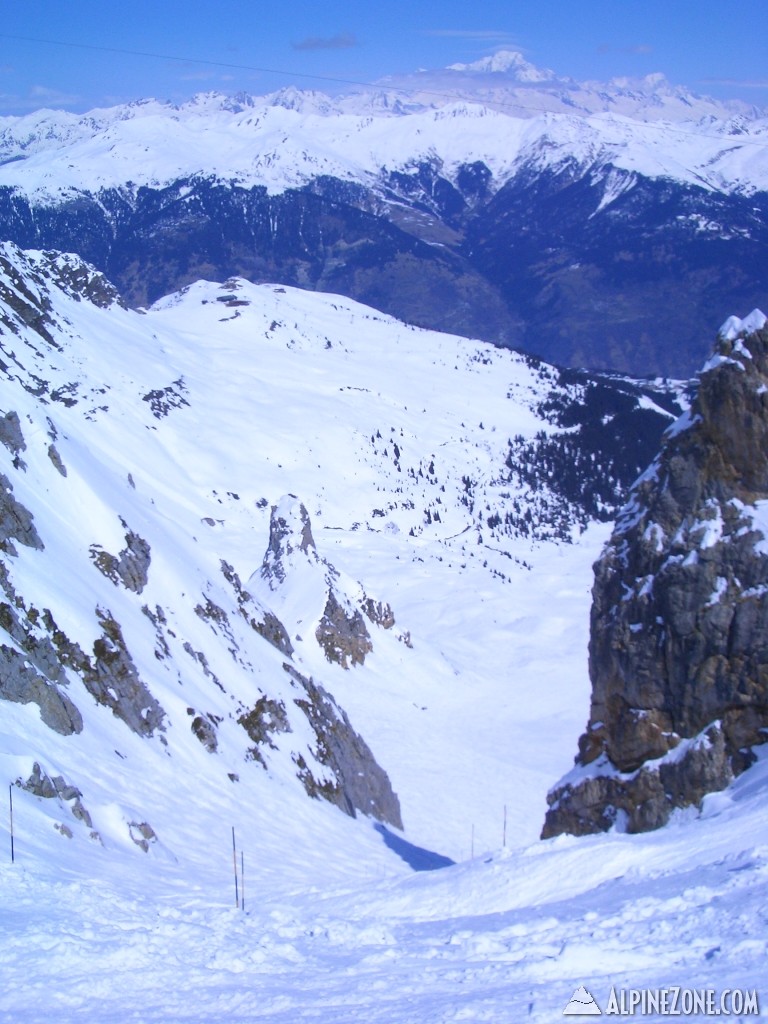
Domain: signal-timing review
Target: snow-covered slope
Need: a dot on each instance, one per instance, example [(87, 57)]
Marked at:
[(507, 936), (141, 454)]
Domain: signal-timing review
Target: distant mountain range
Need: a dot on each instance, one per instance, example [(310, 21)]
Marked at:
[(509, 82), (593, 225)]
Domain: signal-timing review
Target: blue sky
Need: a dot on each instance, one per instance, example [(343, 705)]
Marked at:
[(712, 47)]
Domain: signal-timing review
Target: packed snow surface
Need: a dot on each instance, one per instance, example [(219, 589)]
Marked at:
[(506, 936), (260, 392)]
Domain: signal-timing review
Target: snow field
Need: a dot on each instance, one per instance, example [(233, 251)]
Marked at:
[(505, 937)]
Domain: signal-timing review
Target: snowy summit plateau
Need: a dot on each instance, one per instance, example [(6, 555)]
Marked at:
[(353, 465)]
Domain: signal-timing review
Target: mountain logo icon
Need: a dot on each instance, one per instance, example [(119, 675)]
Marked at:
[(582, 1004)]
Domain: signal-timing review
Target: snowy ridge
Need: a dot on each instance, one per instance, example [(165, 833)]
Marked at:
[(508, 82), (280, 143)]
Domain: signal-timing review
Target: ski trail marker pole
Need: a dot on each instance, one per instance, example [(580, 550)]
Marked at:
[(10, 800), (242, 881), (234, 864)]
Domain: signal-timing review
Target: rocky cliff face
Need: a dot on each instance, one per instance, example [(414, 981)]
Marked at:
[(679, 626)]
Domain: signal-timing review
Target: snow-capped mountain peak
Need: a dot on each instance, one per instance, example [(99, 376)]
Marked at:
[(507, 62)]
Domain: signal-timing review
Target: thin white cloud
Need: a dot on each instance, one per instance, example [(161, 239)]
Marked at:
[(478, 41), (341, 41), (43, 95), (745, 83), (641, 49), (39, 96), (498, 37)]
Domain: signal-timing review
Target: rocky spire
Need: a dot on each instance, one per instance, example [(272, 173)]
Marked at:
[(290, 531), (310, 594), (678, 652)]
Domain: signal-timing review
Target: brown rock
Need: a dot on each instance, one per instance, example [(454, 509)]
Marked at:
[(679, 622)]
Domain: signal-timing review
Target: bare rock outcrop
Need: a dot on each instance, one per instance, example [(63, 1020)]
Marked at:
[(46, 787), (22, 683), (16, 521), (679, 624), (312, 596), (354, 780), (337, 606), (112, 678), (290, 533), (10, 433), (130, 567), (342, 633)]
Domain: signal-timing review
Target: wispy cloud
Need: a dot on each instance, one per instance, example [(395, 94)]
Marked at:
[(37, 97), (640, 49), (747, 83), (491, 37), (43, 94), (341, 41)]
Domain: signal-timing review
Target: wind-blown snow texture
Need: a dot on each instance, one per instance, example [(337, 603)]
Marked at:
[(141, 455)]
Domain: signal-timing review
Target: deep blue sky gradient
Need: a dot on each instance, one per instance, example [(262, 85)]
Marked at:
[(711, 46)]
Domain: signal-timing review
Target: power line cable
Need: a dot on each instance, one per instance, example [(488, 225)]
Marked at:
[(186, 60)]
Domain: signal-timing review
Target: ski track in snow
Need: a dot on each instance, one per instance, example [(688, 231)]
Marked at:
[(489, 939)]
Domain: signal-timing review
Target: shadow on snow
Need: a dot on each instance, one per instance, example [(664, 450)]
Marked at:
[(415, 857)]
